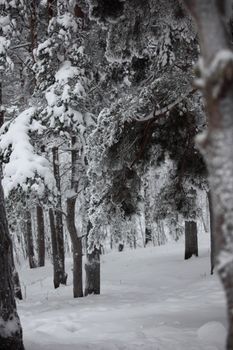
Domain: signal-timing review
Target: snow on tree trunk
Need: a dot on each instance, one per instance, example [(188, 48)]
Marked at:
[(15, 275), (30, 246), (40, 235), (10, 328), (92, 268), (191, 241), (58, 217), (216, 80)]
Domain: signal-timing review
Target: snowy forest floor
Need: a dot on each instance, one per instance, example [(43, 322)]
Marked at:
[(151, 299)]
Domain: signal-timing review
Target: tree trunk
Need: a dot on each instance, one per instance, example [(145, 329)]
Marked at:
[(58, 216), (217, 144), (2, 110), (15, 276), (148, 235), (191, 242), (10, 329), (33, 27), (40, 235), (17, 285), (92, 268), (57, 271), (30, 246), (51, 4), (77, 249), (70, 219), (212, 244)]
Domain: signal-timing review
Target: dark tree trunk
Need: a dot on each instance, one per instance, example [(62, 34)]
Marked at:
[(40, 235), (191, 242), (1, 107), (120, 247), (92, 268), (212, 244), (148, 235), (10, 330), (58, 216), (57, 272), (30, 246), (33, 26), (51, 4), (77, 249), (70, 219), (17, 286)]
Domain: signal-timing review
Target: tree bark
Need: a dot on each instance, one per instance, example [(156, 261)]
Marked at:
[(191, 241), (77, 249), (51, 4), (57, 272), (33, 27), (58, 216), (40, 235), (148, 235), (30, 246), (212, 243), (10, 331), (92, 269), (70, 219), (2, 114), (217, 144), (15, 276)]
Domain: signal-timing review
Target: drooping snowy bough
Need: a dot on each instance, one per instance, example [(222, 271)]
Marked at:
[(216, 82)]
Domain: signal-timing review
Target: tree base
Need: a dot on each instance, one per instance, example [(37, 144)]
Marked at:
[(11, 343)]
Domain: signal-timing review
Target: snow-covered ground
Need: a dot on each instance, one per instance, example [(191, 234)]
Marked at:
[(151, 300)]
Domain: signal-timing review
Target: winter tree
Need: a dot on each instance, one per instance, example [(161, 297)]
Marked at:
[(215, 80)]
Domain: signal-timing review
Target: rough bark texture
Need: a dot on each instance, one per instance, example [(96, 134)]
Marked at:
[(77, 249), (58, 217), (92, 269), (10, 329), (191, 242), (70, 219), (40, 235), (30, 246), (217, 145), (57, 273)]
